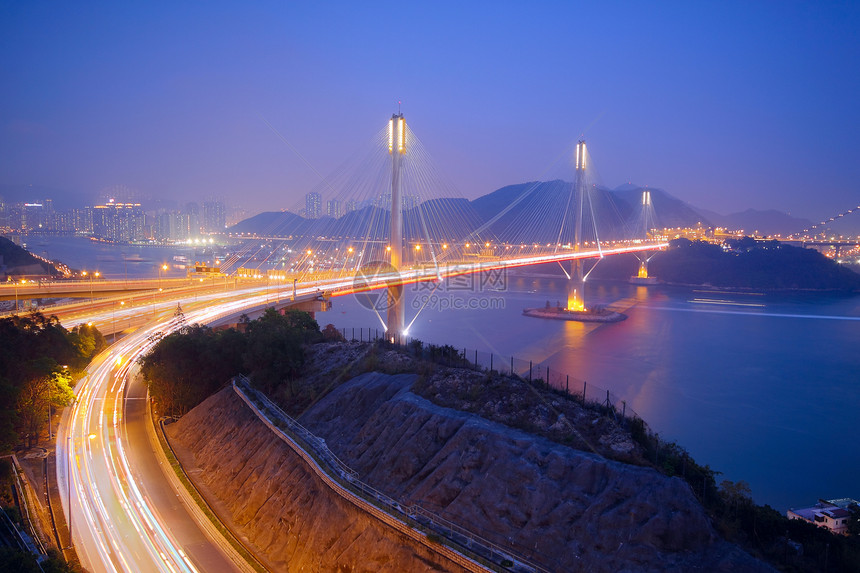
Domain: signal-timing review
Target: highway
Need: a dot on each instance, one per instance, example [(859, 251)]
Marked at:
[(123, 511)]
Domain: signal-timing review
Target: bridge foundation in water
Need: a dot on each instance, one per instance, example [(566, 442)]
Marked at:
[(576, 309)]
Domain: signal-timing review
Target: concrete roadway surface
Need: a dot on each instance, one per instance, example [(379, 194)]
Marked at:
[(125, 514)]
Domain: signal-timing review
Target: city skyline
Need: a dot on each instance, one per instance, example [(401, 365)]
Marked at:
[(725, 106)]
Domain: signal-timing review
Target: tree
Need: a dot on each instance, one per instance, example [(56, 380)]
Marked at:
[(736, 494), (186, 367), (38, 361), (331, 334), (854, 519), (87, 340), (46, 384)]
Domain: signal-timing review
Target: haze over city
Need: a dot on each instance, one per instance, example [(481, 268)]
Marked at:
[(726, 105)]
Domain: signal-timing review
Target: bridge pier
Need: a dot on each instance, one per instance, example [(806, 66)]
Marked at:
[(576, 283), (576, 287)]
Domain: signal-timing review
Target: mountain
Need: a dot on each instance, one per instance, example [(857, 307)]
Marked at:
[(669, 211), (279, 223), (530, 212), (447, 219), (544, 212), (17, 262)]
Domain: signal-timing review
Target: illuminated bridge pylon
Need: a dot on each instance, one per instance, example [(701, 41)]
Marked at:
[(395, 320), (642, 277), (576, 282)]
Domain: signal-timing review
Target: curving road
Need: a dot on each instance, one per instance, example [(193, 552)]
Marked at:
[(125, 514), (123, 511)]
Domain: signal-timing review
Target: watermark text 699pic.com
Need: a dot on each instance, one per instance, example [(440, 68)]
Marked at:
[(462, 292)]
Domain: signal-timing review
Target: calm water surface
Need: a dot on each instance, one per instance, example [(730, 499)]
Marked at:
[(116, 261), (760, 387), (763, 388)]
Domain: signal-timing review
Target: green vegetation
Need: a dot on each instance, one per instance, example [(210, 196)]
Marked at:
[(747, 263), (186, 367), (12, 559), (39, 360), (23, 562)]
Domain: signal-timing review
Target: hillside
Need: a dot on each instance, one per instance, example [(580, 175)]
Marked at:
[(269, 495), (16, 261), (766, 265), (568, 508)]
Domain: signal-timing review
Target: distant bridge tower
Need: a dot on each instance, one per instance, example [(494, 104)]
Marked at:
[(648, 223), (396, 148), (576, 284), (647, 208)]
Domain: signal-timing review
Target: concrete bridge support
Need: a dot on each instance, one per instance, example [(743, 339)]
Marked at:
[(576, 284), (395, 322)]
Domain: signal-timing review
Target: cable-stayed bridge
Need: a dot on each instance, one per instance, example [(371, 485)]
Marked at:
[(403, 223)]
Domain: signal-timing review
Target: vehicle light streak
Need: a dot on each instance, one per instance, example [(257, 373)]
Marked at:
[(117, 526)]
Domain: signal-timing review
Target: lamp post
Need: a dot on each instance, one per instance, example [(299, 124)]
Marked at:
[(161, 268), (96, 275), (121, 303)]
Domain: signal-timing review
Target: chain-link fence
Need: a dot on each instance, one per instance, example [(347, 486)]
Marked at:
[(536, 373)]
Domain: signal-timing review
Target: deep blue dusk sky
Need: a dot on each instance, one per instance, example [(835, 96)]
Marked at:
[(726, 105)]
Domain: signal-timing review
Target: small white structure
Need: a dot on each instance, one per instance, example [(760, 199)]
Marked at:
[(830, 514)]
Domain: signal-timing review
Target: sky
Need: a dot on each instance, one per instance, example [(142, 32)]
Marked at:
[(726, 105)]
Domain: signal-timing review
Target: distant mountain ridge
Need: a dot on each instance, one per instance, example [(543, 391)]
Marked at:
[(533, 211)]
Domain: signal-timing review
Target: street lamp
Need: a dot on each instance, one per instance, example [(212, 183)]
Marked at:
[(96, 275), (162, 268), (121, 303)]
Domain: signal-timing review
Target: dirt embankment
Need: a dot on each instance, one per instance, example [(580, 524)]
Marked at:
[(277, 504)]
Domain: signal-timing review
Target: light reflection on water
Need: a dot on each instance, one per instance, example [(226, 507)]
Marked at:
[(760, 393)]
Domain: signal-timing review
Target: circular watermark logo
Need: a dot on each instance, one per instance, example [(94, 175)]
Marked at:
[(370, 285)]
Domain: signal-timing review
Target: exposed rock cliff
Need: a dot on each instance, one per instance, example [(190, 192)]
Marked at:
[(566, 509), (274, 500)]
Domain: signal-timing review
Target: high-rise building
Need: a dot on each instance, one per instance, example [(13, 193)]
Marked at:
[(333, 208), (118, 222), (313, 205), (214, 216), (192, 212), (351, 206)]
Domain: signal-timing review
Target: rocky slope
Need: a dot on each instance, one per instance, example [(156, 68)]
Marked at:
[(564, 508), (277, 504)]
